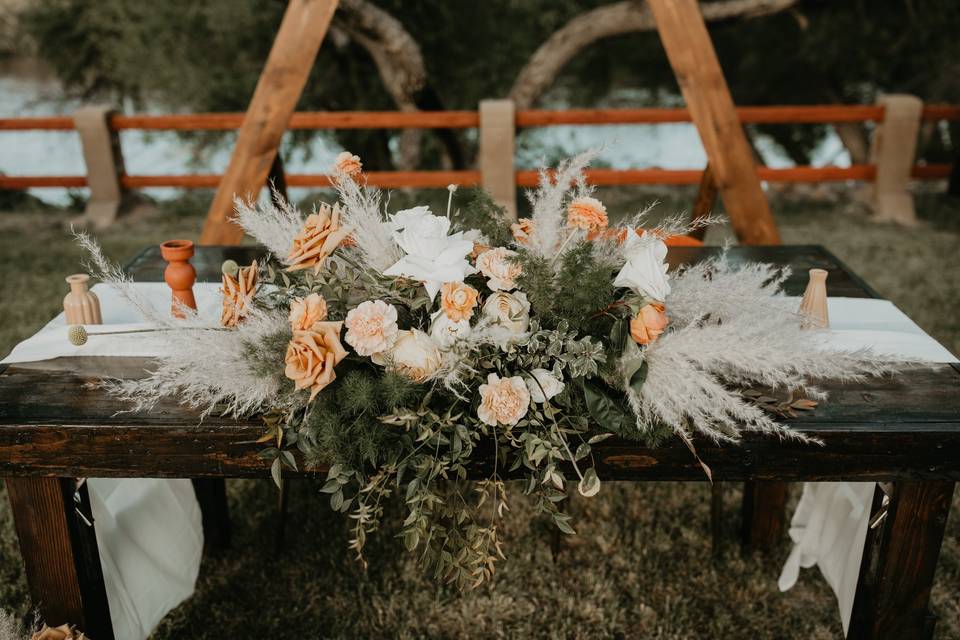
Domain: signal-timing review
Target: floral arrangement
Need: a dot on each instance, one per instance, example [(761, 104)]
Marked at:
[(407, 352)]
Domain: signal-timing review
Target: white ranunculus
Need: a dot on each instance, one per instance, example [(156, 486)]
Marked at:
[(508, 310), (645, 269), (434, 256), (413, 354), (543, 382), (445, 331)]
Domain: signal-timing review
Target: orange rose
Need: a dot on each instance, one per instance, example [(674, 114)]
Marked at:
[(306, 312), (458, 300), (587, 213), (478, 249), (521, 230), (238, 292), (312, 355), (650, 322), (320, 235)]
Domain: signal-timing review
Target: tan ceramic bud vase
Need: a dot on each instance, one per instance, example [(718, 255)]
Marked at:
[(813, 307), (81, 305), (179, 274)]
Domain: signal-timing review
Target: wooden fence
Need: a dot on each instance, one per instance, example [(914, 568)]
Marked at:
[(102, 154)]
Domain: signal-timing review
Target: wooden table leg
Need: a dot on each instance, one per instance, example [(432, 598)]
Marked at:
[(215, 512), (764, 514), (59, 550), (899, 560)]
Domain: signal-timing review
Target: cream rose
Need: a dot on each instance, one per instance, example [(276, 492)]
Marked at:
[(499, 268), (508, 310), (371, 327), (312, 355), (446, 331), (543, 385), (503, 400), (414, 354), (645, 270), (306, 312)]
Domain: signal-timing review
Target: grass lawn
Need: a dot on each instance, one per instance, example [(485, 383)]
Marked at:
[(641, 567)]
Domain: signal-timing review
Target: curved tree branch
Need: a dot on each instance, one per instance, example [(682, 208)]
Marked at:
[(627, 16), (402, 70)]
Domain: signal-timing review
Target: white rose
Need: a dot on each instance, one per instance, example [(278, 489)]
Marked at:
[(433, 255), (508, 310), (645, 270), (445, 331), (414, 354), (543, 382)]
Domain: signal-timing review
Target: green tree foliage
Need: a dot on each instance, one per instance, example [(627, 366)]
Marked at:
[(206, 56)]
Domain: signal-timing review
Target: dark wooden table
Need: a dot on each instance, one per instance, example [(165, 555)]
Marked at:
[(903, 432)]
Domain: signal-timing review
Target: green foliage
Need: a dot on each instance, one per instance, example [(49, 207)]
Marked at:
[(576, 292), (480, 212)]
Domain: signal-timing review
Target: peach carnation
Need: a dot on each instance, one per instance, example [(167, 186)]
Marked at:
[(312, 356), (458, 300), (503, 400), (587, 213), (371, 327), (521, 230), (306, 312), (320, 235), (499, 268), (348, 164), (650, 322)]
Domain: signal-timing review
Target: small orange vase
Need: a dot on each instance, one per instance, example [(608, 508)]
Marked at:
[(813, 307), (179, 274), (81, 305)]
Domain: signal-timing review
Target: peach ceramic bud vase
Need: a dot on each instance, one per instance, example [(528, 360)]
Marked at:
[(813, 307), (81, 305), (179, 274)]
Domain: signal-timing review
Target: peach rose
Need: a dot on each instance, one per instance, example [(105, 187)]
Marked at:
[(499, 268), (371, 327), (312, 356), (587, 213), (521, 230), (347, 164), (306, 312), (458, 300), (479, 248), (320, 235), (650, 322), (503, 400), (238, 291)]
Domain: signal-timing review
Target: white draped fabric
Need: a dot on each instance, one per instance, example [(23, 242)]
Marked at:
[(829, 527)]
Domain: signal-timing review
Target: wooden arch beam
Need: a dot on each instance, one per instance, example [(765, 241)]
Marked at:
[(694, 60), (305, 23)]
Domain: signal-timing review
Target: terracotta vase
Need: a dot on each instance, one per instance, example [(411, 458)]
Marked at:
[(179, 274), (813, 307), (81, 305)]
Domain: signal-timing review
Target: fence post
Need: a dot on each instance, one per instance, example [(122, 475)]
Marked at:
[(893, 151), (101, 154), (497, 137)]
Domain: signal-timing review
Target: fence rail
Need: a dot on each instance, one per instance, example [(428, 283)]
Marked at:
[(106, 131)]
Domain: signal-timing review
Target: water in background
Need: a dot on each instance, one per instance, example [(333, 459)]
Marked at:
[(28, 89)]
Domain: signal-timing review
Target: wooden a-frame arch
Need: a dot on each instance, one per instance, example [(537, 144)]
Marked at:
[(685, 39)]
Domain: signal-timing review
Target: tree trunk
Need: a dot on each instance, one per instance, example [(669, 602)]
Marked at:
[(400, 63), (627, 16)]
